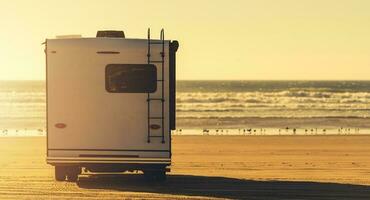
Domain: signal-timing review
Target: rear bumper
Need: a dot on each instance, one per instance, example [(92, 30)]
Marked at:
[(106, 160)]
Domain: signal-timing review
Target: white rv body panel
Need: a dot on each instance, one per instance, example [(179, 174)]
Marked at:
[(98, 124)]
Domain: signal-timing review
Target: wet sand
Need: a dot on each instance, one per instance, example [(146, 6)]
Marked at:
[(236, 167), (274, 122)]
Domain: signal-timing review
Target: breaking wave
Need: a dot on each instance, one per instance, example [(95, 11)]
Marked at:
[(287, 103)]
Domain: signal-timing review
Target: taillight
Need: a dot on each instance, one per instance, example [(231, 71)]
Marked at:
[(155, 126), (60, 125)]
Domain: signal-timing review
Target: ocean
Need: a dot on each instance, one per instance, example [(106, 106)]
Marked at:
[(287, 99), (238, 107)]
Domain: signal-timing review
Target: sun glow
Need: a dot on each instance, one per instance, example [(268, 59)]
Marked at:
[(219, 40)]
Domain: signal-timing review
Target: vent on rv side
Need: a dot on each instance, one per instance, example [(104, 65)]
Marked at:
[(110, 34)]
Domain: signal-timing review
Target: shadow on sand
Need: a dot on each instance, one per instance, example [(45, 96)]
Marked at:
[(222, 187)]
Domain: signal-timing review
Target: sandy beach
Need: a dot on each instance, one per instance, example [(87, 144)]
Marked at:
[(234, 167)]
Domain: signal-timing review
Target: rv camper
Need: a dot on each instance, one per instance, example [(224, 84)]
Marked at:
[(110, 104)]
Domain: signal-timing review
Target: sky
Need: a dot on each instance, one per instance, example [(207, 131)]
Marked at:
[(219, 40)]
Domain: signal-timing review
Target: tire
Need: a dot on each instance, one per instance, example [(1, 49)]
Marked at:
[(155, 175), (72, 177), (149, 175), (60, 173), (160, 175), (72, 173)]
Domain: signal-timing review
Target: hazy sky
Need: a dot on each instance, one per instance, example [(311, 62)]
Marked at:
[(264, 39)]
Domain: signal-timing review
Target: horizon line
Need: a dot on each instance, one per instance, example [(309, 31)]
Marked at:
[(224, 80)]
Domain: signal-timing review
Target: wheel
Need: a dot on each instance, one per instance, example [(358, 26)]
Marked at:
[(72, 173), (148, 175), (161, 175), (60, 173), (155, 175), (72, 177)]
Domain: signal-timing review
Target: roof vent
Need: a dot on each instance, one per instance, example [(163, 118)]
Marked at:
[(110, 34)]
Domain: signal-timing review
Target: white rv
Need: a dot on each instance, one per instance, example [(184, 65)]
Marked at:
[(110, 104)]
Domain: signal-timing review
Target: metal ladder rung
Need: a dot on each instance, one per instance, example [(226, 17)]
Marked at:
[(155, 99), (155, 136), (155, 61), (156, 42), (156, 117)]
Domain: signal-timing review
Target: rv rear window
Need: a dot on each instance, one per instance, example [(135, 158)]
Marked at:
[(131, 78)]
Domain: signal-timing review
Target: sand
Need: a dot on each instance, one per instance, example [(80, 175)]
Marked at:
[(235, 167)]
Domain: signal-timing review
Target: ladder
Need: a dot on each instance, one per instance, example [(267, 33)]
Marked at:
[(161, 81)]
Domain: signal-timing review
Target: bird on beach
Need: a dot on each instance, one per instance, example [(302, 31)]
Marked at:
[(294, 131), (305, 131), (40, 131), (324, 131)]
